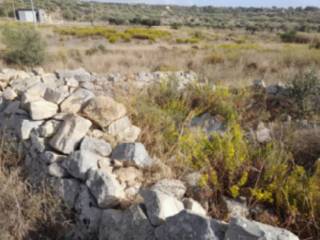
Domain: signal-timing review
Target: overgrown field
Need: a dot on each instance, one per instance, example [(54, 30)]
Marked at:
[(279, 178), (224, 56)]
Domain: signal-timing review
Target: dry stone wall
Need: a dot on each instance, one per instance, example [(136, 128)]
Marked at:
[(64, 123)]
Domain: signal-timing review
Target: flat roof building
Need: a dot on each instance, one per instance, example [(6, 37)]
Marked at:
[(27, 15)]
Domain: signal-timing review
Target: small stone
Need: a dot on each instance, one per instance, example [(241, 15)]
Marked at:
[(123, 130), (9, 94), (49, 128), (27, 126), (76, 101), (56, 170), (105, 188), (194, 207), (96, 146), (80, 162), (55, 96), (132, 152), (236, 208), (129, 176), (42, 109), (170, 187), (160, 206), (51, 157), (71, 82), (37, 143), (263, 134)]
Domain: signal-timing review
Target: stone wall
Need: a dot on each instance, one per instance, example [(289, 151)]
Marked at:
[(80, 141)]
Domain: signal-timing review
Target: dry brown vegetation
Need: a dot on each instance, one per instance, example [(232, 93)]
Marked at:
[(26, 213), (220, 56)]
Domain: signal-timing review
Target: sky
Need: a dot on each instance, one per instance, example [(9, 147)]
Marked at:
[(234, 3)]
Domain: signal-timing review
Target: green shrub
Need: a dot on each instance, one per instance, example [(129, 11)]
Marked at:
[(304, 92), (288, 37), (24, 45)]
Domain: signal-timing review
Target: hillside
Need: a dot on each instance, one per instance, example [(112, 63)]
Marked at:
[(253, 19)]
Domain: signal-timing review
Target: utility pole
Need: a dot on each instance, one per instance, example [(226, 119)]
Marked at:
[(14, 10), (34, 13), (92, 14)]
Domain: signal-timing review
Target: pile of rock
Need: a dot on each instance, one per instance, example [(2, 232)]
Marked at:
[(84, 145)]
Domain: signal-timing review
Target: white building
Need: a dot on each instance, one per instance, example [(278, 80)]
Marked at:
[(27, 15)]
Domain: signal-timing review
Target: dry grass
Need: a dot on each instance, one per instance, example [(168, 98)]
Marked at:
[(24, 212), (220, 56)]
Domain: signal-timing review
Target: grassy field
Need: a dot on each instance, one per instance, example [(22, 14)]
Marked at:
[(220, 56), (281, 177)]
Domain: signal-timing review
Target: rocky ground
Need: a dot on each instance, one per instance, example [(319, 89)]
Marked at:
[(78, 139)]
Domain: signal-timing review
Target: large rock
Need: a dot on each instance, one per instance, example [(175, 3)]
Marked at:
[(96, 146), (241, 228), (132, 152), (80, 162), (55, 95), (123, 130), (160, 206), (88, 216), (70, 133), (27, 126), (104, 110), (131, 224), (105, 188), (21, 85), (76, 101), (189, 226), (67, 189), (171, 187), (42, 109)]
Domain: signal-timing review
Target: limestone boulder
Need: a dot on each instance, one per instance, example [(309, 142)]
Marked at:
[(123, 130), (88, 216), (42, 109), (55, 95), (134, 153), (160, 206), (76, 101), (96, 146), (131, 224), (80, 162), (171, 187), (241, 228), (103, 110), (67, 189), (105, 188), (189, 226), (70, 133)]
